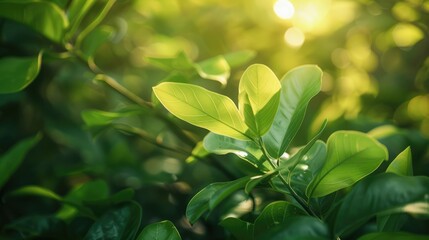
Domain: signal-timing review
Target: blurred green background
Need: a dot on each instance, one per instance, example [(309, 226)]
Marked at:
[(374, 55)]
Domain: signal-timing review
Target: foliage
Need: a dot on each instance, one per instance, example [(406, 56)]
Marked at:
[(174, 139)]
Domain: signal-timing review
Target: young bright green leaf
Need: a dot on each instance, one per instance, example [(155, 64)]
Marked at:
[(259, 93), (216, 68), (247, 150), (351, 156), (402, 164), (95, 39), (297, 228), (16, 73), (76, 12), (121, 223), (210, 196), (11, 160), (299, 86), (36, 191), (164, 230), (274, 214), (393, 236), (240, 229), (382, 194), (236, 59), (42, 16), (203, 108)]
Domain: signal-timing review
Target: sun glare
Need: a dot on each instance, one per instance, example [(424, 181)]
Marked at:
[(294, 37), (284, 9)]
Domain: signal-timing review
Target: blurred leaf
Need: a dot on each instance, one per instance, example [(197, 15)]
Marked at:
[(298, 87), (236, 59), (402, 164), (259, 93), (11, 160), (240, 229), (202, 108), (256, 180), (351, 156), (95, 39), (180, 62), (210, 196), (216, 68), (38, 226), (164, 230), (16, 73), (297, 227), (393, 236), (76, 12), (93, 118), (274, 214), (198, 152), (121, 223), (385, 193), (220, 144), (44, 17), (36, 191)]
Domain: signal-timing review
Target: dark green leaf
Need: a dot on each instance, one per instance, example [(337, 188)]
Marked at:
[(164, 230), (210, 196), (297, 228), (274, 214), (16, 73), (44, 17), (351, 156), (239, 229), (46, 227), (256, 180), (121, 223), (299, 86), (11, 160), (393, 236), (382, 194), (216, 68)]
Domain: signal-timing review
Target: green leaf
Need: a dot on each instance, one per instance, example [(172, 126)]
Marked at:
[(164, 230), (393, 236), (274, 214), (76, 12), (95, 39), (216, 68), (40, 227), (238, 58), (11, 160), (36, 191), (402, 164), (202, 108), (297, 228), (299, 86), (247, 150), (180, 62), (121, 223), (198, 152), (94, 118), (210, 196), (16, 73), (42, 16), (256, 180), (385, 193), (351, 156), (239, 229), (259, 93)]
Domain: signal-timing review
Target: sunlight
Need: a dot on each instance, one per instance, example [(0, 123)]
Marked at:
[(294, 37), (284, 9)]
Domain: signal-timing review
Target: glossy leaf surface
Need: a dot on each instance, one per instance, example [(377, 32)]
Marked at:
[(351, 156), (16, 73), (393, 236), (202, 108), (382, 194), (164, 230), (42, 16), (299, 86), (11, 160), (259, 91)]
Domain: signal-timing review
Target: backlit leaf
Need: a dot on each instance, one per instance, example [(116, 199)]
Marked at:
[(42, 16), (402, 164), (385, 193), (236, 59), (203, 108), (299, 86), (16, 73), (259, 93), (351, 156), (164, 230), (216, 68)]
